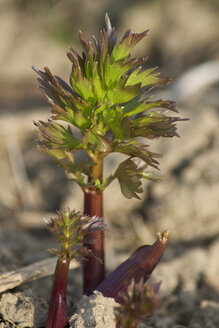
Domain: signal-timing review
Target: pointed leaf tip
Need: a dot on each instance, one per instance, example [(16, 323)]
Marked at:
[(35, 68), (163, 236), (108, 23)]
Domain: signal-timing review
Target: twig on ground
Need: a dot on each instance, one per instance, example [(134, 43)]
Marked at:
[(11, 279)]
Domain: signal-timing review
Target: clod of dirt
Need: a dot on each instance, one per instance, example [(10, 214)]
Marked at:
[(95, 311), (22, 311)]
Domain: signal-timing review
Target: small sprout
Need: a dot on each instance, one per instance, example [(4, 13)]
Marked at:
[(71, 228), (138, 304)]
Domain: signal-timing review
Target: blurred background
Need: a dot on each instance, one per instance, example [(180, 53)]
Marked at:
[(183, 43)]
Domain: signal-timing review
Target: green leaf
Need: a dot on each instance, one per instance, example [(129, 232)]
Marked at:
[(129, 175), (57, 91), (84, 88), (122, 130), (123, 49), (57, 153), (155, 125), (82, 84), (120, 94), (56, 135), (121, 127), (130, 182), (133, 107), (81, 121), (98, 83), (145, 78), (83, 167), (71, 115), (113, 72), (62, 114), (84, 106), (120, 51), (93, 141), (136, 107), (149, 176), (138, 150), (89, 62), (112, 114)]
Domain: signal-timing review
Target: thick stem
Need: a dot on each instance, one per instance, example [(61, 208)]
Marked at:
[(94, 269), (57, 314)]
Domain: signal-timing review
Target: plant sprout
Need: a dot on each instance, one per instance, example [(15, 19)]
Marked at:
[(70, 229), (138, 304), (106, 108)]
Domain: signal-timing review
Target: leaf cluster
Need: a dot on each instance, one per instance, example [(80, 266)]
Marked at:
[(71, 229), (138, 303), (108, 101)]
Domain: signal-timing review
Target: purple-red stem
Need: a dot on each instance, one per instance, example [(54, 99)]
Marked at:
[(94, 269), (57, 315)]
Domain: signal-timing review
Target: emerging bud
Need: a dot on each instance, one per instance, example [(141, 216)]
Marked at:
[(71, 228), (138, 303), (138, 266)]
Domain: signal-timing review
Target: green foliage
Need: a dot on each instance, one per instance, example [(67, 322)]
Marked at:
[(107, 100), (130, 181), (129, 175)]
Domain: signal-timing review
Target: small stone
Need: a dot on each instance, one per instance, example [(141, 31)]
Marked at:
[(16, 308), (23, 311), (95, 311)]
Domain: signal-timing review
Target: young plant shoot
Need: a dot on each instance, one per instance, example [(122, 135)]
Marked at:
[(138, 304), (70, 228), (138, 266), (109, 102)]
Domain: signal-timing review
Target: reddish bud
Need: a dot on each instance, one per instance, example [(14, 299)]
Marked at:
[(139, 265)]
